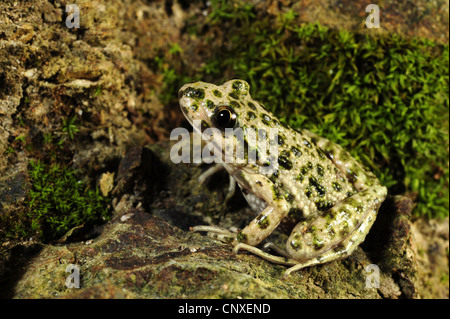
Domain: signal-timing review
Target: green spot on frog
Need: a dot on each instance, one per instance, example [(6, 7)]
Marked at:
[(241, 237), (320, 153), (306, 143), (344, 229), (324, 205), (276, 192), (295, 244), (217, 93), (320, 170), (351, 176), (336, 186), (210, 104), (306, 168), (330, 215), (359, 208), (234, 95), (321, 191), (330, 230), (296, 151), (262, 221), (309, 191), (318, 242), (280, 139), (240, 87), (235, 104), (266, 119), (252, 106), (195, 93), (251, 115), (289, 198), (283, 160), (194, 106), (311, 229)]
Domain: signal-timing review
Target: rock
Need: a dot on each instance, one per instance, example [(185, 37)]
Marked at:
[(107, 75), (393, 247), (14, 189), (147, 250), (106, 183)]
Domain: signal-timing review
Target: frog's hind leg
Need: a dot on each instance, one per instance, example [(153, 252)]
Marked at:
[(342, 250), (275, 248)]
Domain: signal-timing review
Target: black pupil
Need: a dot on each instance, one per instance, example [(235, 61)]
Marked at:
[(223, 118)]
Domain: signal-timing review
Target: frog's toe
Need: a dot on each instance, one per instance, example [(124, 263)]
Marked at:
[(282, 260), (219, 233), (296, 267), (271, 246)]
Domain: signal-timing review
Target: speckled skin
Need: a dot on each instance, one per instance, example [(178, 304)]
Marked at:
[(331, 196)]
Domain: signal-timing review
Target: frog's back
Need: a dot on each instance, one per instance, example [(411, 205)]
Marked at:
[(306, 178)]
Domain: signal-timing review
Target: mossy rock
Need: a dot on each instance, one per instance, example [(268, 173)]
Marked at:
[(149, 252)]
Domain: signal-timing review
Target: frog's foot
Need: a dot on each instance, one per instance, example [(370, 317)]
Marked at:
[(219, 233), (213, 170), (282, 260), (278, 250)]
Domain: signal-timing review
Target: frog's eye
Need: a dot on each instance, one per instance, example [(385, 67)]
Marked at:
[(225, 117)]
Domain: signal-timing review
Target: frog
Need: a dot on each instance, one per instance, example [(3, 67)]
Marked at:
[(333, 199)]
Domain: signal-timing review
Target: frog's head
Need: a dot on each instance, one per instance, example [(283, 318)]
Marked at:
[(228, 108), (218, 106)]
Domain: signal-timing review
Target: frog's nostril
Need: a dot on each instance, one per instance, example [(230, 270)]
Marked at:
[(180, 93)]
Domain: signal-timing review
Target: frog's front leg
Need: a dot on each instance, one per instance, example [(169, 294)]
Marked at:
[(258, 229), (261, 226), (213, 170)]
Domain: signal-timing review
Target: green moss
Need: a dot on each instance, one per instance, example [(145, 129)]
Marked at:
[(98, 91), (70, 127), (384, 98), (57, 202)]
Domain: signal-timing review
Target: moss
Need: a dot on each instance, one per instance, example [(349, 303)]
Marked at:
[(383, 97), (57, 202), (70, 127)]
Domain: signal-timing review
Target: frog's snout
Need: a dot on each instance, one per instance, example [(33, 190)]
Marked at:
[(181, 91)]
